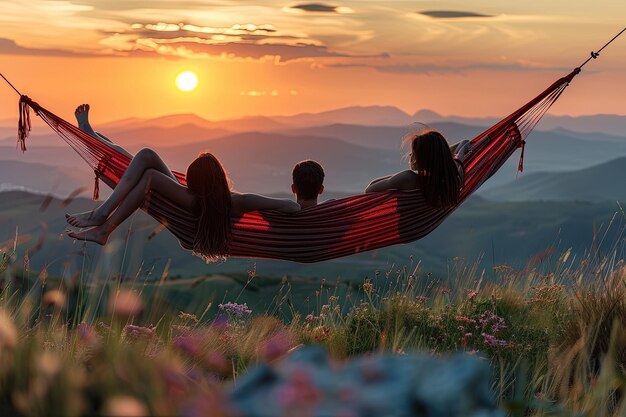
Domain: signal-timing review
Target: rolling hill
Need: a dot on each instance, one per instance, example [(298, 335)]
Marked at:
[(604, 182), (41, 178), (480, 232)]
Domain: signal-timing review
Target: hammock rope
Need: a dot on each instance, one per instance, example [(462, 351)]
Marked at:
[(331, 230)]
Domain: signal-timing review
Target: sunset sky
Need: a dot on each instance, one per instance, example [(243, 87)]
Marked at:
[(271, 57)]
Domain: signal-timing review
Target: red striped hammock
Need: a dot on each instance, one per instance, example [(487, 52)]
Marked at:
[(338, 228)]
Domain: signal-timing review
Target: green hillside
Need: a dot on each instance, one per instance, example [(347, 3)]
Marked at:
[(598, 183), (480, 231)]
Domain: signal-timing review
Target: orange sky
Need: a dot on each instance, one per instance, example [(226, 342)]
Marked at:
[(472, 58)]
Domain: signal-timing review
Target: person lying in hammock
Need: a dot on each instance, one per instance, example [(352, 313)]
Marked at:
[(433, 169), (208, 195)]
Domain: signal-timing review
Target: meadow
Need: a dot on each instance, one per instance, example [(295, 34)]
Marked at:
[(72, 346)]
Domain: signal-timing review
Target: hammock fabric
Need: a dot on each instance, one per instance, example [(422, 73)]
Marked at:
[(338, 228)]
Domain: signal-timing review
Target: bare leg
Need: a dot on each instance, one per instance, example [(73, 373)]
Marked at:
[(82, 117), (151, 180), (145, 159)]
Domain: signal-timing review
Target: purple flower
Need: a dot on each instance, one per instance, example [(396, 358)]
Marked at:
[(491, 340), (236, 310), (187, 344), (138, 332)]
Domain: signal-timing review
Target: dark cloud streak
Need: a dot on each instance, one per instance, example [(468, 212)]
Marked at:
[(431, 69), (452, 14), (316, 7), (10, 47)]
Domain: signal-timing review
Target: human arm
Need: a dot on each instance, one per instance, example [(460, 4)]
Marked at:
[(377, 180), (404, 180), (244, 203), (461, 149)]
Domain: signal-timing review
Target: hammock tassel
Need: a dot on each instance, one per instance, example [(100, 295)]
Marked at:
[(96, 187), (24, 125), (520, 166)]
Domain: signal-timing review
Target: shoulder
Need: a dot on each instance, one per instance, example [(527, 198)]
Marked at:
[(405, 180)]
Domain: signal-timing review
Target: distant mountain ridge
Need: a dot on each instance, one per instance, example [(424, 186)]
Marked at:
[(604, 182), (375, 116)]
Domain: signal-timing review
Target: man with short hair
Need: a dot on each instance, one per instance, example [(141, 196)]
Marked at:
[(308, 180)]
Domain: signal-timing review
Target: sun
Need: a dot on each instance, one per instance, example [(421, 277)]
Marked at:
[(187, 81)]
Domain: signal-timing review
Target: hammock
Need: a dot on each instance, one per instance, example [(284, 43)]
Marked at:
[(331, 230)]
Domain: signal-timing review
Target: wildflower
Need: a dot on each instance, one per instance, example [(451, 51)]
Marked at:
[(88, 335), (48, 364), (180, 330), (252, 272), (236, 310), (54, 298), (43, 276), (125, 304), (320, 333), (188, 344), (368, 287), (125, 406), (26, 261), (187, 316), (489, 318), (310, 317), (138, 332), (216, 362), (276, 346), (420, 299), (465, 319), (8, 334), (491, 340), (220, 323), (502, 268)]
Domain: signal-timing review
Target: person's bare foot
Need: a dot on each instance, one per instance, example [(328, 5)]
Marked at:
[(98, 235), (82, 117), (86, 219)]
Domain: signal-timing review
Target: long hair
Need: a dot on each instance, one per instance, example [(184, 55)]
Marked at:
[(438, 175), (208, 181)]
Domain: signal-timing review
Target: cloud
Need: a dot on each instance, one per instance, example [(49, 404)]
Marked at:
[(239, 41), (10, 47), (453, 14), (238, 32), (438, 68), (257, 93), (187, 47), (316, 7)]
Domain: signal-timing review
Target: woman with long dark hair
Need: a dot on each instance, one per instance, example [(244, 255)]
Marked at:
[(208, 196), (433, 169)]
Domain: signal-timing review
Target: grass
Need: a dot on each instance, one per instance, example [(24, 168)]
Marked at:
[(555, 340)]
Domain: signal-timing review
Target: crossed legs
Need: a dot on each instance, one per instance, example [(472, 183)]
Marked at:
[(144, 159), (146, 172), (137, 196)]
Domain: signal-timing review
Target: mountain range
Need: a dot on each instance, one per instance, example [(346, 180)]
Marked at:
[(606, 181)]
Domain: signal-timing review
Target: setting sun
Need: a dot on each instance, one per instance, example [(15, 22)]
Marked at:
[(187, 81)]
